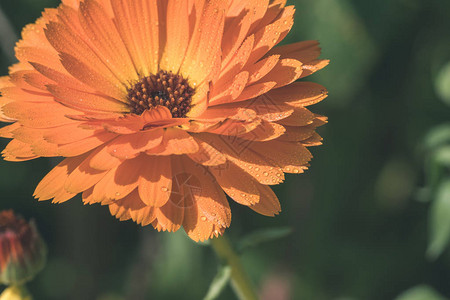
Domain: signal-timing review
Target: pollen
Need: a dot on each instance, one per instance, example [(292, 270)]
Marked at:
[(161, 89)]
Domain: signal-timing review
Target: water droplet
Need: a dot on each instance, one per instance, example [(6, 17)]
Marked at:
[(164, 189), (203, 218), (117, 194)]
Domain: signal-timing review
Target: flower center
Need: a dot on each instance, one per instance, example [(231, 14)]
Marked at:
[(164, 88)]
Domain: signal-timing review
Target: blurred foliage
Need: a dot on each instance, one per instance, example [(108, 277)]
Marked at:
[(358, 230)]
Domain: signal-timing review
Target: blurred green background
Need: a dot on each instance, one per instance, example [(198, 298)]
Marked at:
[(360, 216)]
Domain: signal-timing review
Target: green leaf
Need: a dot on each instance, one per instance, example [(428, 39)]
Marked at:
[(421, 292), (439, 220), (263, 236), (438, 136), (219, 282), (442, 155), (442, 83)]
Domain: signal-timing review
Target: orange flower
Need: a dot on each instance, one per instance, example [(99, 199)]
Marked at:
[(159, 107)]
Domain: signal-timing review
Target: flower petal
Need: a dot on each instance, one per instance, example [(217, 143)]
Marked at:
[(155, 182)]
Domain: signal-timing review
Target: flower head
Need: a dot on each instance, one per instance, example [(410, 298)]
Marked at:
[(22, 251), (160, 108)]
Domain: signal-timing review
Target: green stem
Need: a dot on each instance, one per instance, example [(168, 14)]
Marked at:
[(240, 282)]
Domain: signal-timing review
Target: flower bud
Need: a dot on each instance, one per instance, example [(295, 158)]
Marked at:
[(22, 251), (15, 293)]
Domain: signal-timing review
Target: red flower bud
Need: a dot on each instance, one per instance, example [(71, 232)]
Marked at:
[(22, 250)]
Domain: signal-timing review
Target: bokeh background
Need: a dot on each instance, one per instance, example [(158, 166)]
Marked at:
[(369, 220)]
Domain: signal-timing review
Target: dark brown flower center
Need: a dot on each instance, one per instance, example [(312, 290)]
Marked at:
[(164, 88)]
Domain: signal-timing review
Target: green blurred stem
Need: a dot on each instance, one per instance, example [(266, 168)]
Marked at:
[(240, 281)]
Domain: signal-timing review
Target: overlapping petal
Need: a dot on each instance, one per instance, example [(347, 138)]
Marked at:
[(246, 126)]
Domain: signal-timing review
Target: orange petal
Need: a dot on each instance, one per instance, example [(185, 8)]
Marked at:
[(205, 42), (207, 155), (304, 51), (54, 181), (7, 131), (234, 34), (64, 40), (233, 90), (92, 78), (236, 183), (175, 142), (101, 160), (139, 27), (240, 152), (130, 145), (82, 146), (261, 68), (210, 204), (39, 115), (272, 34), (59, 77), (155, 182), (86, 101), (102, 33), (265, 131), (178, 31), (132, 207), (289, 156), (285, 72), (18, 151), (314, 66), (314, 140), (268, 204), (300, 117), (297, 134), (236, 63), (299, 94), (255, 90), (273, 11), (67, 133), (120, 181)]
